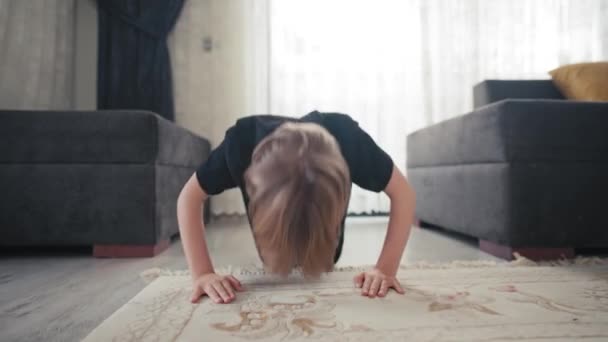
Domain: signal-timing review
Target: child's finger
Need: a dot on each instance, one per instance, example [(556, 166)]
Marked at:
[(383, 288), (366, 283), (235, 282), (373, 290), (397, 286), (358, 279), (228, 287), (197, 292), (212, 293), (221, 291)]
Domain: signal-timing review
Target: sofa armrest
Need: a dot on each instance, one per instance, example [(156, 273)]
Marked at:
[(99, 137), (178, 146), (555, 131), (507, 131), (490, 91)]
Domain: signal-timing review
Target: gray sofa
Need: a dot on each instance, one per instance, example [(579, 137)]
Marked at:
[(526, 171), (109, 179)]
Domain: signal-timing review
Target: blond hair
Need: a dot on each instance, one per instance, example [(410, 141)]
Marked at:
[(298, 184)]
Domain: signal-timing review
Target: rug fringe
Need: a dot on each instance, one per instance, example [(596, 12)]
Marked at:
[(520, 261)]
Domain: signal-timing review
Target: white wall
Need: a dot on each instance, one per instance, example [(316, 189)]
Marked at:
[(211, 87), (214, 88)]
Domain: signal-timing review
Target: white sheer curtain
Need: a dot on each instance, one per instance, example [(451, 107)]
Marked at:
[(352, 57), (37, 54), (399, 65), (394, 65)]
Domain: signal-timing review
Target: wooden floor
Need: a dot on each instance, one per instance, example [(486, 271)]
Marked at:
[(63, 296)]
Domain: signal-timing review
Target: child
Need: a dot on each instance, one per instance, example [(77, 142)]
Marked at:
[(295, 177)]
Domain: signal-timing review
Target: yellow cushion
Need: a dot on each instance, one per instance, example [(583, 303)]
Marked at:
[(583, 81)]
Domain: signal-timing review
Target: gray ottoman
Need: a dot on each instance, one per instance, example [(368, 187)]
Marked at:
[(521, 175), (109, 179)]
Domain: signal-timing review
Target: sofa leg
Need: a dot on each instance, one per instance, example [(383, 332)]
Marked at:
[(422, 224), (533, 253), (130, 251)]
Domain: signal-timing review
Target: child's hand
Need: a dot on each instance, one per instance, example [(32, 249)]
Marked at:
[(374, 282), (219, 288)]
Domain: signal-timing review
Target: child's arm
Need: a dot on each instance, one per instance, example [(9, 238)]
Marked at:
[(399, 225), (192, 231), (382, 277)]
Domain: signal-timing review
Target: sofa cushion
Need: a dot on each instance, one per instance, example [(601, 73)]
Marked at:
[(515, 130), (96, 137), (582, 81)]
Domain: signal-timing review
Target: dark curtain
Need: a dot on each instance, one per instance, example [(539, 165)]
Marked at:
[(134, 68)]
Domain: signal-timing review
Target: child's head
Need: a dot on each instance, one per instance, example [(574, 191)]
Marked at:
[(298, 186)]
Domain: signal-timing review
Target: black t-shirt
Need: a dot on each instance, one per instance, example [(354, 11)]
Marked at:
[(370, 167)]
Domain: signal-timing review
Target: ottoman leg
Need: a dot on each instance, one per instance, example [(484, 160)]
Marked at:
[(533, 253), (130, 251)]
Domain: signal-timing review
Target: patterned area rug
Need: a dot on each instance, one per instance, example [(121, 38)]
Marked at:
[(453, 302)]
